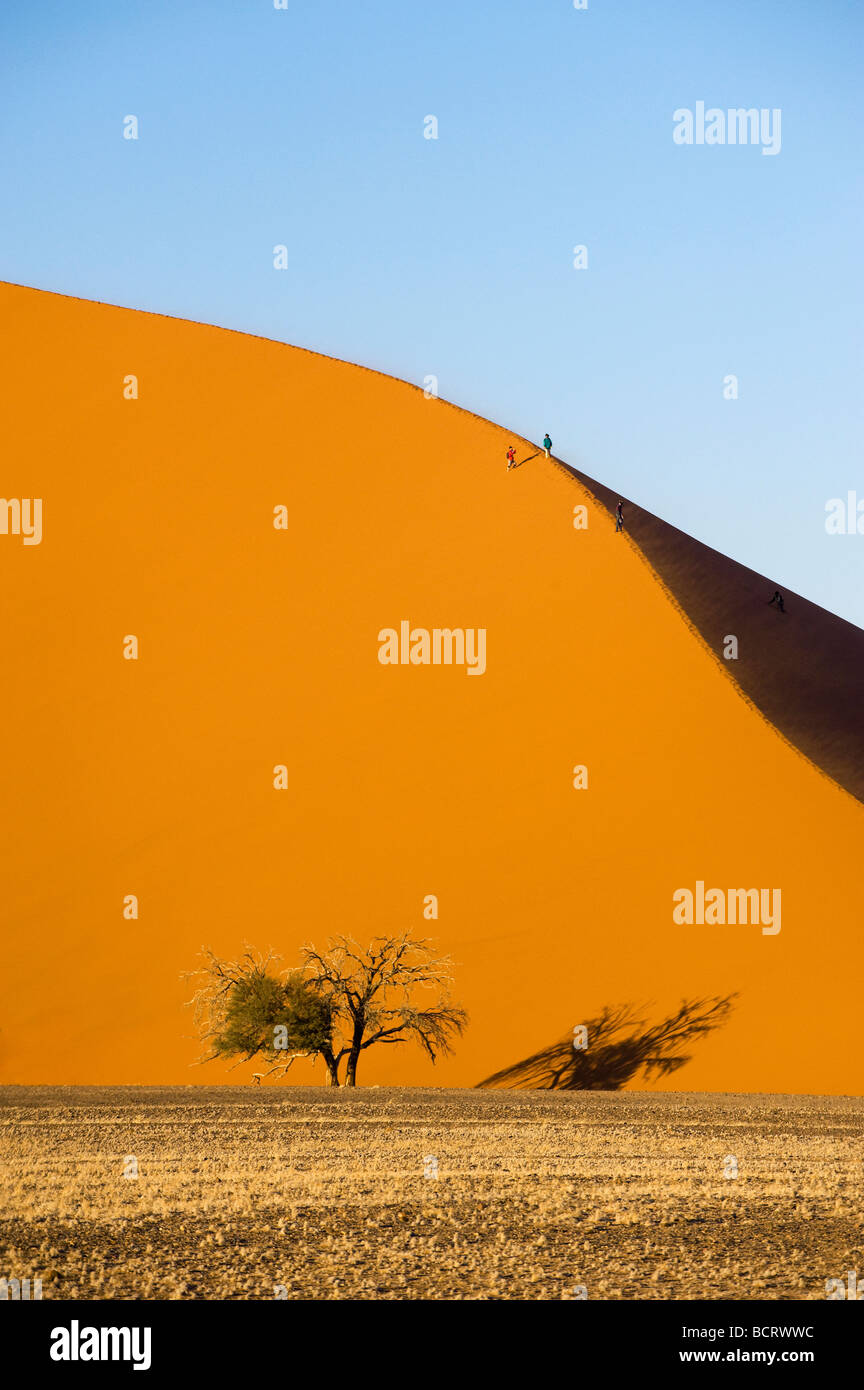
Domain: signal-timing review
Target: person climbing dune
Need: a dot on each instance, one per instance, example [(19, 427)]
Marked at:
[(777, 598), (547, 444), (619, 516), (511, 457)]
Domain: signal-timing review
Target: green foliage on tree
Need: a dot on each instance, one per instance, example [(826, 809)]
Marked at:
[(267, 1015)]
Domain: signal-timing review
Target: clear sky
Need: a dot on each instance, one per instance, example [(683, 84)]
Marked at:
[(453, 256)]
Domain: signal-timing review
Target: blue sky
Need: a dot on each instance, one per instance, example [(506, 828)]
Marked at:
[(454, 256)]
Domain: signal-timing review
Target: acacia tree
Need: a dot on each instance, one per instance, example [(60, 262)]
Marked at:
[(243, 1009), (372, 995), (335, 1005)]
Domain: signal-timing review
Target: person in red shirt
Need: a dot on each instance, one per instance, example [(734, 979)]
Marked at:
[(511, 457)]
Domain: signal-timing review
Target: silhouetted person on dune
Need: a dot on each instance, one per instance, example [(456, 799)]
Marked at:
[(547, 443), (619, 516), (778, 599)]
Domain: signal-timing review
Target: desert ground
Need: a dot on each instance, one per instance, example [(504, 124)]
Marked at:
[(393, 1193)]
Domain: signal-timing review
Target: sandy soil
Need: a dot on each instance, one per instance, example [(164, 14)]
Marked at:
[(304, 1193)]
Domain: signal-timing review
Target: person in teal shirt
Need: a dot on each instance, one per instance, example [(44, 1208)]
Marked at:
[(547, 444)]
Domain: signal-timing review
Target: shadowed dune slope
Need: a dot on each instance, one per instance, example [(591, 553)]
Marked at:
[(803, 669), (258, 647)]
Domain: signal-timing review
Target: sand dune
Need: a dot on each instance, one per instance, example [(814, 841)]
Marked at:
[(803, 669), (259, 647)]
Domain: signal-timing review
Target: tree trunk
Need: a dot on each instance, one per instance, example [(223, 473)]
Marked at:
[(356, 1043), (332, 1068), (351, 1072)]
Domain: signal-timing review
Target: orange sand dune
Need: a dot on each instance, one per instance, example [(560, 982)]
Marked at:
[(803, 669), (259, 647)]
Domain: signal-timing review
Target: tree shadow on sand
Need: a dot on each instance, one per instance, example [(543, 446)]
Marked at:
[(618, 1046)]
